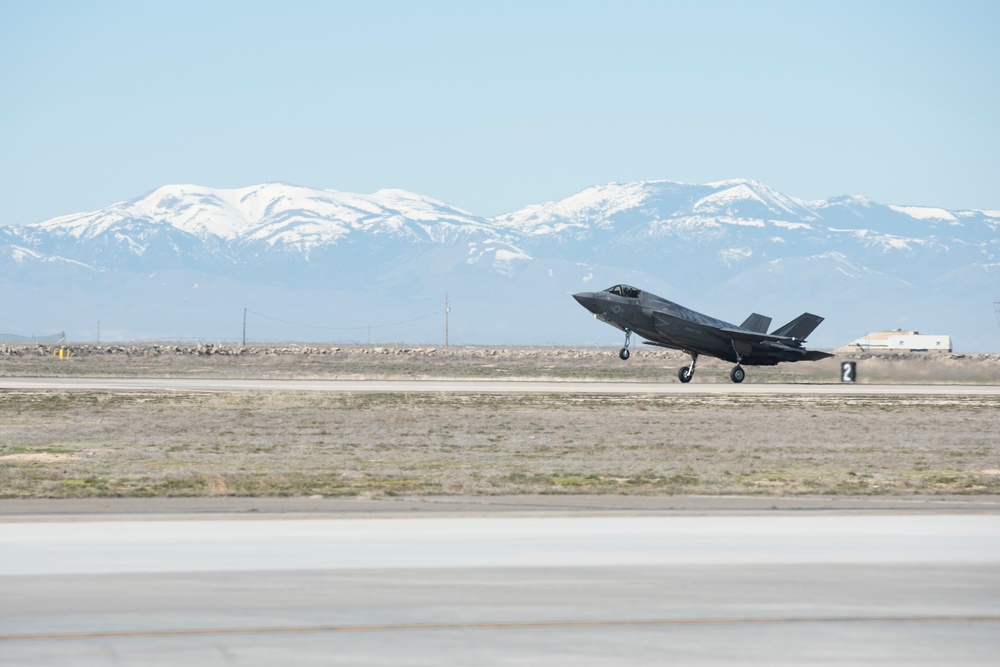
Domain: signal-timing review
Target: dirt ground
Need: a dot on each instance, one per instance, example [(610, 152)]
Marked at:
[(647, 364), (136, 444)]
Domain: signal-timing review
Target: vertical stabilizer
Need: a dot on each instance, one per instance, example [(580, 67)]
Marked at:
[(800, 327), (756, 322)]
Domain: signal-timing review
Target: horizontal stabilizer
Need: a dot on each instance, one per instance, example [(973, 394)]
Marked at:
[(757, 322), (800, 327)]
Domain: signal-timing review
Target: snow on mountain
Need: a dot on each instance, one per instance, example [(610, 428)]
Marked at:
[(594, 206), (498, 256), (272, 215), (304, 219), (728, 248), (733, 197), (925, 213), (738, 214), (671, 205), (25, 257)]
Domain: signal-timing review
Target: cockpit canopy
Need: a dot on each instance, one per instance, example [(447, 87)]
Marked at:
[(624, 290)]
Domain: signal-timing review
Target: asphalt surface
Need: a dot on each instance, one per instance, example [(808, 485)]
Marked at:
[(772, 589), (577, 580), (479, 386)]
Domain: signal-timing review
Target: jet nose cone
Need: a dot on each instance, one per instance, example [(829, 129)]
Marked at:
[(586, 299)]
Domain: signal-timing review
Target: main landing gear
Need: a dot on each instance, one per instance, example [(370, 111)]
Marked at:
[(623, 353), (738, 374), (685, 373)]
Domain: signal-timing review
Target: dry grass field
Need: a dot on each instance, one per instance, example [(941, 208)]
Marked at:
[(86, 444), (648, 364)]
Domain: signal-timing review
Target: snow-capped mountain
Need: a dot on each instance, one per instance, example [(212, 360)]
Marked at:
[(189, 225), (670, 214), (275, 213), (656, 201), (198, 255)]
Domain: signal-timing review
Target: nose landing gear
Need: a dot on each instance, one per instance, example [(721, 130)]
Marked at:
[(623, 353), (737, 374)]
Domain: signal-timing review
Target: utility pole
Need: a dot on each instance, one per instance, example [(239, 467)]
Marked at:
[(244, 327), (98, 332), (447, 308)]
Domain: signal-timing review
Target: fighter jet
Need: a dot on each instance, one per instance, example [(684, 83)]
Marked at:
[(667, 324)]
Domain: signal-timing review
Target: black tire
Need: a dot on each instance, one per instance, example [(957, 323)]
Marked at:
[(737, 374), (684, 374), (624, 354)]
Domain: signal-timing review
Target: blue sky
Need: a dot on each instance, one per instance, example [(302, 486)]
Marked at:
[(492, 106)]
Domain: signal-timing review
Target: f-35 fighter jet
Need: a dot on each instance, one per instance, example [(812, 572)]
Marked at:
[(667, 324)]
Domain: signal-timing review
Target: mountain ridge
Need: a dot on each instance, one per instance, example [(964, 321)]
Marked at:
[(721, 246)]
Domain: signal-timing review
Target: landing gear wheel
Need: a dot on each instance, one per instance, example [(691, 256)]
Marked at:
[(737, 374), (684, 374), (623, 353)]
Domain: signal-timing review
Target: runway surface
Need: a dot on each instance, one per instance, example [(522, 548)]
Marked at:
[(585, 590), (478, 386), (499, 582)]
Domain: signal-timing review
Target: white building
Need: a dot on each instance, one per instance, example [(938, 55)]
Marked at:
[(897, 339)]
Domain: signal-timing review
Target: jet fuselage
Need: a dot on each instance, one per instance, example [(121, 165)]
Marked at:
[(667, 324)]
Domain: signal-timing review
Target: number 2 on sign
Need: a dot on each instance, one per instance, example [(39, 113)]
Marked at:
[(847, 373)]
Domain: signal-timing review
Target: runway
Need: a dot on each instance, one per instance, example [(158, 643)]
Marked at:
[(590, 590), (480, 386), (639, 581)]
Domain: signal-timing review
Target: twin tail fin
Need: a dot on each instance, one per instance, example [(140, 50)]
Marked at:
[(757, 323), (800, 327)]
